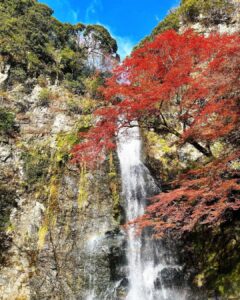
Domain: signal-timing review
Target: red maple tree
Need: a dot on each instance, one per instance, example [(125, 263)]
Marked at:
[(187, 85)]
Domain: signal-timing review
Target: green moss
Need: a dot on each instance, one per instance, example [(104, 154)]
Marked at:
[(116, 199), (82, 105), (229, 284), (10, 228), (114, 187), (84, 122), (42, 232), (21, 297), (36, 161), (216, 256), (158, 144), (64, 143), (163, 155), (218, 148), (199, 280), (51, 211), (83, 188), (235, 165)]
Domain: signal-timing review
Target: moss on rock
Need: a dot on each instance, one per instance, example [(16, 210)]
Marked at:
[(83, 188), (114, 188)]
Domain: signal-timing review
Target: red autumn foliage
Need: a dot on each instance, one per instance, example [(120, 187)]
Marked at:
[(202, 196), (187, 85)]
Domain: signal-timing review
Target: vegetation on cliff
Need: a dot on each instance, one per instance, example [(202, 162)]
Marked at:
[(34, 43), (207, 12)]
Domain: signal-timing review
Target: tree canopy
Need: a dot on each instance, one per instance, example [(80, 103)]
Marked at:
[(187, 85)]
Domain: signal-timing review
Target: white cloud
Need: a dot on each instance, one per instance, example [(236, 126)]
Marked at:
[(92, 9), (74, 15), (125, 46)]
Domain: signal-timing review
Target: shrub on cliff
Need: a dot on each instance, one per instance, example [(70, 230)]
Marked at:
[(7, 122), (207, 12)]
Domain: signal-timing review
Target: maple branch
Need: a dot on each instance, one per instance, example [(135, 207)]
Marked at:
[(195, 144)]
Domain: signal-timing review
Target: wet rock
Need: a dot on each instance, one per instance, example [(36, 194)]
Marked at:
[(169, 277)]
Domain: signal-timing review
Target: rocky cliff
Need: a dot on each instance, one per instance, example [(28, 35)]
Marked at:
[(52, 212), (60, 223), (60, 233)]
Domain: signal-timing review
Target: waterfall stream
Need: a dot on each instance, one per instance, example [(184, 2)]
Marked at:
[(147, 262)]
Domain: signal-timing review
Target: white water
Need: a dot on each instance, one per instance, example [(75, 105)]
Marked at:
[(145, 260)]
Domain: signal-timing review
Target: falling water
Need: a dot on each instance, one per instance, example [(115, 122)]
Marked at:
[(146, 261)]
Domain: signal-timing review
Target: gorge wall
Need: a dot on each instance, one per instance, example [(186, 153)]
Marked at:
[(51, 210)]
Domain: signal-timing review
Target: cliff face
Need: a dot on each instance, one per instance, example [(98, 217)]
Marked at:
[(52, 213), (60, 236)]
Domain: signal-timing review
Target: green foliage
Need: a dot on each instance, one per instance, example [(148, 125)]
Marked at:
[(34, 43), (92, 84), (88, 105), (84, 123), (65, 142), (36, 164), (42, 81), (218, 267), (17, 74), (204, 11), (213, 11), (7, 122), (24, 31), (101, 34), (7, 202), (44, 97), (75, 86), (73, 106), (172, 21)]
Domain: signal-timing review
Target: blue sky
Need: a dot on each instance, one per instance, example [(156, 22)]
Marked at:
[(127, 20)]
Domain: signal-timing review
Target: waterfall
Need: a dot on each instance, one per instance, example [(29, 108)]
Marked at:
[(148, 263)]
